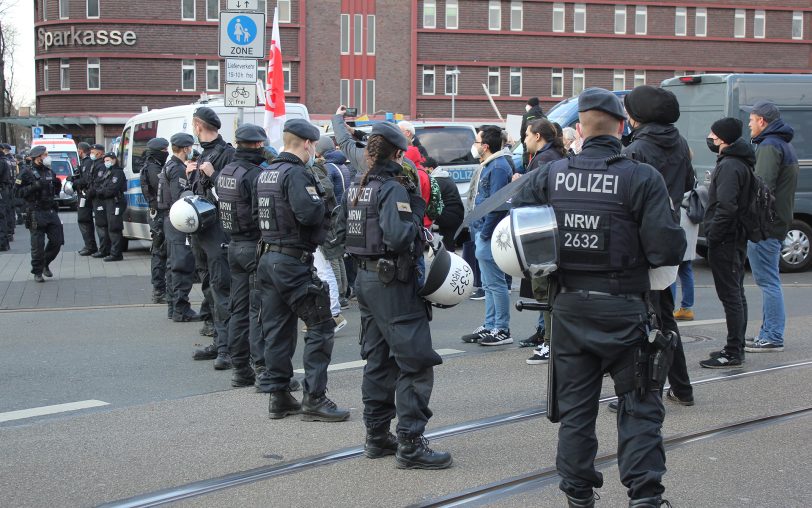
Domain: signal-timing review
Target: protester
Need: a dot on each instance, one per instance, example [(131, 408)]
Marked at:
[(453, 212), (532, 112)]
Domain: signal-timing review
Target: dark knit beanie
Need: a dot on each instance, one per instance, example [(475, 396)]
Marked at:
[(650, 104), (727, 129), (533, 101)]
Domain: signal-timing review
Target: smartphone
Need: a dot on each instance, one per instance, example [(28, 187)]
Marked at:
[(353, 112)]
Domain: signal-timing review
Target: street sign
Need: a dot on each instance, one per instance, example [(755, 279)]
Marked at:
[(240, 96), (36, 132), (241, 71), (242, 34), (243, 5)]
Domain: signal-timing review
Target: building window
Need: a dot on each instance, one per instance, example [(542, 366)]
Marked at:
[(578, 81), (494, 15), (515, 81), (516, 15), (797, 25), (93, 8), (212, 10), (620, 19), (740, 24), (494, 81), (345, 92), (558, 17), (45, 85), (639, 78), (187, 9), (64, 9), (679, 74), (286, 77), (619, 80), (557, 84), (262, 6), (93, 74), (701, 25), (641, 20), (188, 75), (370, 96), (579, 19), (44, 10), (452, 15), (358, 92), (681, 21), (358, 34), (213, 75), (760, 25), (451, 72), (370, 35), (284, 10), (64, 74), (429, 14), (428, 80), (262, 69), (345, 35)]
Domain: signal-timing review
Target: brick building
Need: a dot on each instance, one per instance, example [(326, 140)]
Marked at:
[(100, 61)]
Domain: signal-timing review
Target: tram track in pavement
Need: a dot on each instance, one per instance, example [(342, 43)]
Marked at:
[(209, 486)]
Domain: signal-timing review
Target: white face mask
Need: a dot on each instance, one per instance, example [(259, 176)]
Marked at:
[(527, 107), (47, 161), (475, 152), (93, 157), (108, 165)]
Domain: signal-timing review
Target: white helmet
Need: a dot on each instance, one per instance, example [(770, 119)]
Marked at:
[(449, 280), (191, 214), (67, 188), (525, 243)]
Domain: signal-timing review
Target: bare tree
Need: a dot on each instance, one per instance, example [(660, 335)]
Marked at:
[(7, 47)]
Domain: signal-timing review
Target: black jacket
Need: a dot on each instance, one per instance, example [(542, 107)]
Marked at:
[(453, 209), (729, 183), (534, 114), (545, 155), (662, 146), (152, 166)]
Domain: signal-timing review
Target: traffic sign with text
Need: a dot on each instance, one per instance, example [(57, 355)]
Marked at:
[(240, 96), (242, 34), (241, 70), (243, 5)]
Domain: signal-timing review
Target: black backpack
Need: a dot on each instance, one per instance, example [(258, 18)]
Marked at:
[(758, 214)]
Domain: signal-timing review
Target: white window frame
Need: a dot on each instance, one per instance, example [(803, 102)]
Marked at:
[(679, 74), (619, 75), (64, 9), (516, 15), (639, 77), (212, 16), (579, 19), (287, 78), (760, 18), (45, 83), (559, 17), (371, 33), (430, 14), (701, 21), (494, 14), (740, 18), (45, 10), (641, 17), (797, 20), (681, 21), (94, 64), (578, 74), (263, 6), (358, 34), (344, 37), (498, 74), (262, 71), (344, 92), (556, 74), (452, 12), (212, 65), (185, 66), (370, 97), (98, 9), (620, 14), (284, 11), (450, 71), (515, 73), (64, 74), (194, 10), (358, 94), (428, 70)]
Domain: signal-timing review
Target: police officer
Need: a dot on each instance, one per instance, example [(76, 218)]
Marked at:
[(111, 189), (615, 222), (154, 159), (383, 226), (6, 199), (99, 212), (294, 221), (235, 188), (172, 181), (39, 186), (82, 180)]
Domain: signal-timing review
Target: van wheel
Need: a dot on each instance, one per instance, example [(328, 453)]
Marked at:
[(125, 244), (795, 255)]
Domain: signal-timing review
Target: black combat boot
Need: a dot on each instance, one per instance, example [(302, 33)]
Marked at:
[(223, 361), (580, 502), (158, 296), (208, 329), (207, 353), (283, 404), (380, 443), (414, 453), (649, 502), (242, 376), (47, 272), (318, 408)]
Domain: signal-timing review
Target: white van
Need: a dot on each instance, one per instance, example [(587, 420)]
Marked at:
[(59, 146), (163, 123)]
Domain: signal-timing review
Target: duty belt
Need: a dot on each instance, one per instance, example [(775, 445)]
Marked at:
[(302, 255), (368, 264), (587, 292)]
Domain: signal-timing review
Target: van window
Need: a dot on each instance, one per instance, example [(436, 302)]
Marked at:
[(143, 133), (61, 168), (448, 145), (786, 93), (695, 127), (125, 149)]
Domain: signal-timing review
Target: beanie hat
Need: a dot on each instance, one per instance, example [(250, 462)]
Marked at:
[(727, 129), (650, 104), (533, 101)]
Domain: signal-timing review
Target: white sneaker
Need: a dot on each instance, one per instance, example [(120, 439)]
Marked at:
[(540, 355), (341, 323)]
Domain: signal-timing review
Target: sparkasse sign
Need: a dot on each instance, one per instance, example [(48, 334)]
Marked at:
[(75, 37)]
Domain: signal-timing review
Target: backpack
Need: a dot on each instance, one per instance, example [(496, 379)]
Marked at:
[(758, 213), (435, 205)]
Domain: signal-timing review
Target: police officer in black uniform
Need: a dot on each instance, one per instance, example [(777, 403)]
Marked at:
[(294, 221), (384, 223), (39, 186), (154, 159), (111, 190), (172, 182), (82, 180), (6, 198), (99, 212), (209, 245), (615, 222)]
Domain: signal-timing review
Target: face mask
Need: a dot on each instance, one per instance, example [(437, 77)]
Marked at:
[(189, 155), (108, 165), (711, 146), (527, 107), (93, 157), (475, 152), (626, 139), (310, 161), (47, 161)]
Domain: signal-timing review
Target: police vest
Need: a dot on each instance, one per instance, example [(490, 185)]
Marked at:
[(276, 219), (235, 211), (364, 233), (596, 230), (44, 197), (164, 199)]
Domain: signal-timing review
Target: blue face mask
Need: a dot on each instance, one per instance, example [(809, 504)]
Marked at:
[(108, 165), (189, 155), (310, 161), (93, 157)]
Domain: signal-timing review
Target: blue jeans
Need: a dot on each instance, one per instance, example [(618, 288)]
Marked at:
[(497, 292), (764, 258), (686, 282)]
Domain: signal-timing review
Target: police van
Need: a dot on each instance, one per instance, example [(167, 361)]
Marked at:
[(705, 98), (164, 123), (59, 146)]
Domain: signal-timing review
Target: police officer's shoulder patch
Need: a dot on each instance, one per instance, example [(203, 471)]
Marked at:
[(404, 207), (18, 181), (115, 179), (313, 194)]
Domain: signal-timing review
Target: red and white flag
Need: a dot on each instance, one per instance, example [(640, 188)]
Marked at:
[(275, 88)]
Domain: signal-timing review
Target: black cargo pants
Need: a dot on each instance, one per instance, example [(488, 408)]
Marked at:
[(158, 252), (45, 223), (180, 266), (210, 248), (244, 332), (84, 216)]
